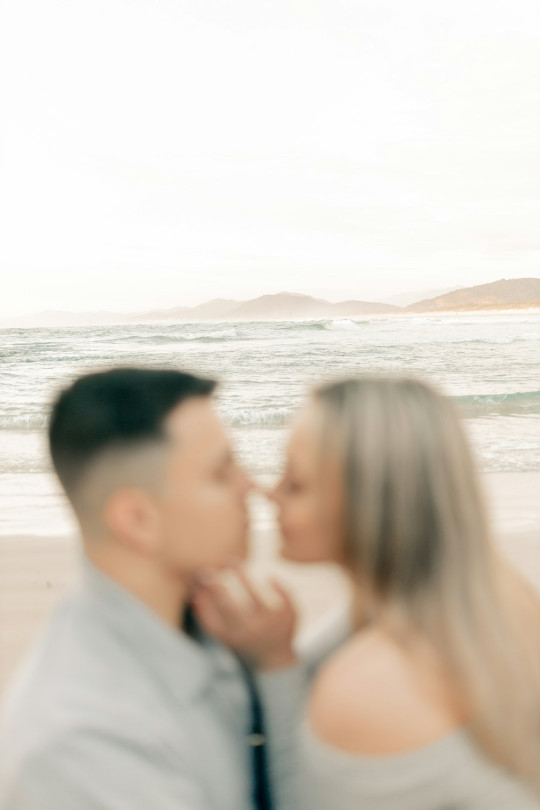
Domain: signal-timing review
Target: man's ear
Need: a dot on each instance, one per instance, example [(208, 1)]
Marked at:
[(131, 517)]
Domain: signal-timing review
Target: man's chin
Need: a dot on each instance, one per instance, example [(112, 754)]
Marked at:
[(290, 553)]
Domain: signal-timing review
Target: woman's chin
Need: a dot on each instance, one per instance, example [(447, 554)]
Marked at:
[(288, 556)]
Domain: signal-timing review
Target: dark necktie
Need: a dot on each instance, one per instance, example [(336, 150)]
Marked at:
[(262, 798)]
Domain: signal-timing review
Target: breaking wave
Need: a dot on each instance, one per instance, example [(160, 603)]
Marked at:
[(345, 325), (253, 417), (164, 338), (22, 422), (519, 404)]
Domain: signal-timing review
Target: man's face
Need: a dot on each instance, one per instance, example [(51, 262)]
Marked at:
[(202, 504)]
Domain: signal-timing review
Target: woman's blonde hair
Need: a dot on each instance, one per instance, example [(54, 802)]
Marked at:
[(417, 537)]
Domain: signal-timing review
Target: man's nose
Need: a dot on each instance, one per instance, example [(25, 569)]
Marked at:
[(272, 493), (247, 484)]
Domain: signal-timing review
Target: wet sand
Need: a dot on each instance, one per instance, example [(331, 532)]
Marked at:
[(36, 570)]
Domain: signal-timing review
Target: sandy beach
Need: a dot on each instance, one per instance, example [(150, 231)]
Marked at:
[(36, 570)]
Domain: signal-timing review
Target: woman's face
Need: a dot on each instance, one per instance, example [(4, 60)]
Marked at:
[(308, 498)]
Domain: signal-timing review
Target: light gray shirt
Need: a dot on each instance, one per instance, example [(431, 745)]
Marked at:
[(115, 710)]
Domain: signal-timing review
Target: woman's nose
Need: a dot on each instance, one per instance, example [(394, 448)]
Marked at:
[(272, 493), (247, 482)]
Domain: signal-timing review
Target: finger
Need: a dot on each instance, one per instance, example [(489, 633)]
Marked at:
[(209, 616), (207, 575), (284, 595), (249, 588), (232, 612)]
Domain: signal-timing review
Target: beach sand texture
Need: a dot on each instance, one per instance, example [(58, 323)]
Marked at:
[(36, 570)]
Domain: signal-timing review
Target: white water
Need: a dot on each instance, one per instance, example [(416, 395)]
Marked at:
[(490, 362)]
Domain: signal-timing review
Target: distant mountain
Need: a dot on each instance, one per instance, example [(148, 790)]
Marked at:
[(290, 306), (57, 318), (215, 309), (282, 306), (169, 315), (411, 297), (211, 310), (285, 306), (351, 309), (503, 294)]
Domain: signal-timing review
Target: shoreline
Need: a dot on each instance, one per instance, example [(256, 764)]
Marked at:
[(35, 570), (496, 309)]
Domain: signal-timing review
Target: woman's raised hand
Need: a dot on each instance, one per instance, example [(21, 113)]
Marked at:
[(261, 631)]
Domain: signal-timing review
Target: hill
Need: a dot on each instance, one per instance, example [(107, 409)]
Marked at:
[(412, 296), (217, 309), (351, 309), (285, 306), (57, 318), (516, 293), (503, 294), (290, 306)]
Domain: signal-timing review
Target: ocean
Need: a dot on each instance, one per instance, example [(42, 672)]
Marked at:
[(490, 362)]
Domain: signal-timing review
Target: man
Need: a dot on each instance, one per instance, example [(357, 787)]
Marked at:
[(117, 708)]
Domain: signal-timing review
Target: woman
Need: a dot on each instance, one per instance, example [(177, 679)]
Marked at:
[(434, 702)]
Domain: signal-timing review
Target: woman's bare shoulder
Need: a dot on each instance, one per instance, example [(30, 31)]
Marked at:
[(373, 698)]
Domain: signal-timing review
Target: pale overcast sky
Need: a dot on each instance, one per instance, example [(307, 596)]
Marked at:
[(163, 152)]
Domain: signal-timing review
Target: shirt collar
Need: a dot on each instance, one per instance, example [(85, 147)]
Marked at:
[(180, 663)]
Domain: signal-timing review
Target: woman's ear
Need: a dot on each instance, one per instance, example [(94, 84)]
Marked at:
[(132, 519)]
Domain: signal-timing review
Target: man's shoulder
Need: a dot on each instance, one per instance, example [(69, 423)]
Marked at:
[(73, 677), (88, 765)]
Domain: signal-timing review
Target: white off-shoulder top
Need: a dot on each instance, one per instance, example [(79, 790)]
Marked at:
[(449, 774)]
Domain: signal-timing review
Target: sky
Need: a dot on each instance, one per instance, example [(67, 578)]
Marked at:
[(158, 153)]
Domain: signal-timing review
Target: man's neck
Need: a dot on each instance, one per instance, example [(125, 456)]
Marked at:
[(165, 594)]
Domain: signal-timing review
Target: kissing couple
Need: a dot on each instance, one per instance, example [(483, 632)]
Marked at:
[(165, 680)]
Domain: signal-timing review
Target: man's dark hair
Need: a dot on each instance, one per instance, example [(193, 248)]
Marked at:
[(117, 409)]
